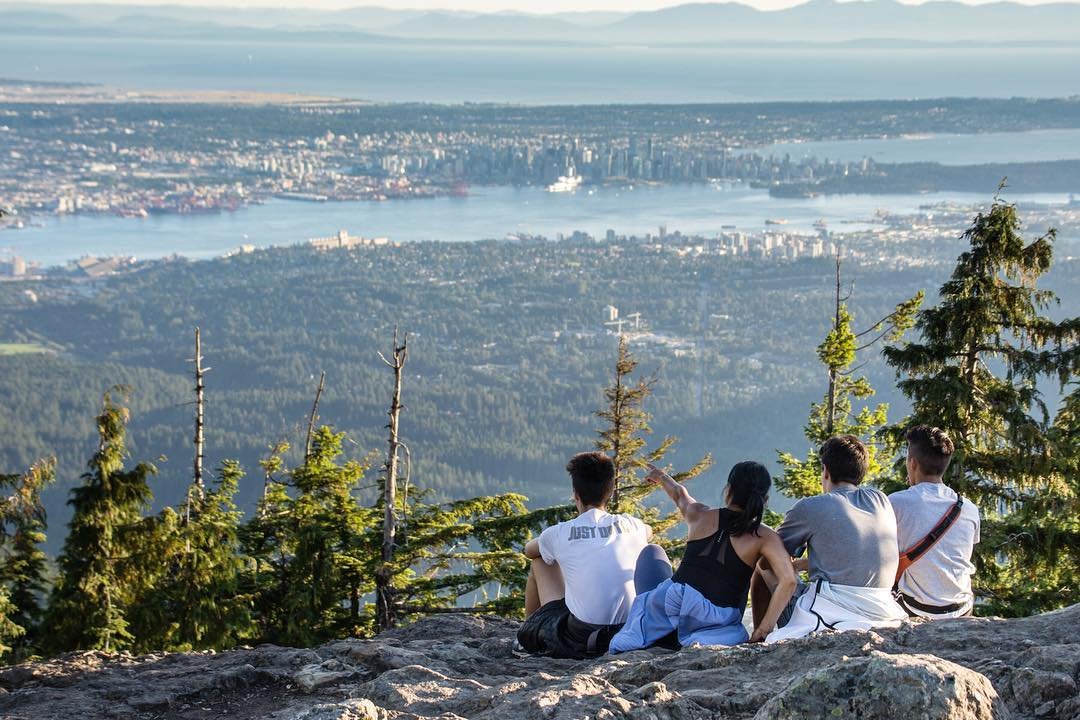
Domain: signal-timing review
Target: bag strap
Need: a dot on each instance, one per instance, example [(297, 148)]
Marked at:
[(600, 639), (923, 546)]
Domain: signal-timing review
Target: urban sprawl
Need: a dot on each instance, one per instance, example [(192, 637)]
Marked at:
[(137, 160)]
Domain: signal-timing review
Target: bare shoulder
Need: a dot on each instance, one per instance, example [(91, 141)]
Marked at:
[(696, 511), (702, 521), (767, 536), (766, 531)]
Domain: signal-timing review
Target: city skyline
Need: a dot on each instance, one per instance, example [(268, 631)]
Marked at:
[(536, 7)]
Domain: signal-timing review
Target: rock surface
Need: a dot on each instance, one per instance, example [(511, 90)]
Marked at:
[(462, 666)]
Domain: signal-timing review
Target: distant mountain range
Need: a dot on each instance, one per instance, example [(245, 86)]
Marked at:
[(817, 21)]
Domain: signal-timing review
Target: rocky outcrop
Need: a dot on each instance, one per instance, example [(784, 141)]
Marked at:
[(462, 666)]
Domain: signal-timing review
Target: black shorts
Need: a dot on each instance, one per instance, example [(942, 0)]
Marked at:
[(553, 630)]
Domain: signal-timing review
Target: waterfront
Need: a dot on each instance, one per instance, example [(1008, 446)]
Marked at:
[(489, 212)]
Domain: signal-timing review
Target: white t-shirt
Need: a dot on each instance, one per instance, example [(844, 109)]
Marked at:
[(943, 575), (597, 553)]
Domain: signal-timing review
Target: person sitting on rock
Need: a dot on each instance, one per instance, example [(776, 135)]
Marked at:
[(705, 600), (581, 583), (849, 535), (937, 532)]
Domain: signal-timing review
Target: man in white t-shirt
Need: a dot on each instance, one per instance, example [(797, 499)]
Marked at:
[(581, 584), (938, 583)]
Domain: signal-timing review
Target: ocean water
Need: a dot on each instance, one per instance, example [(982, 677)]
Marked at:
[(489, 212), (546, 74), (947, 149)]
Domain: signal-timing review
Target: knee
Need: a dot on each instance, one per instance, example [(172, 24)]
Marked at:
[(653, 568), (653, 553)]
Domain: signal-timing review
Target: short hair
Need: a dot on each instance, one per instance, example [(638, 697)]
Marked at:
[(931, 447), (593, 477), (846, 459)]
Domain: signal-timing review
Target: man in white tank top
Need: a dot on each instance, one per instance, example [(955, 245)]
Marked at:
[(581, 584)]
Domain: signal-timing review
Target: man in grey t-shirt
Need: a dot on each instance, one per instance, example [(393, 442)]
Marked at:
[(848, 532), (938, 583)]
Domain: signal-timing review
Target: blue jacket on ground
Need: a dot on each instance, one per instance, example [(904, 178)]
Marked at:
[(677, 606)]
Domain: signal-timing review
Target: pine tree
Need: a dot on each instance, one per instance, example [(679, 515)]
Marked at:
[(195, 602), (432, 557), (466, 549), (325, 520), (623, 437), (102, 568), (23, 563), (836, 413), (984, 348), (10, 631), (1065, 437), (268, 544)]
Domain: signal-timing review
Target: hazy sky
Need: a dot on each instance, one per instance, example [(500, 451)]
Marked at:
[(532, 6)]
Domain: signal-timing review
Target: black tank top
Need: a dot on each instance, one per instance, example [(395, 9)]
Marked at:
[(712, 567)]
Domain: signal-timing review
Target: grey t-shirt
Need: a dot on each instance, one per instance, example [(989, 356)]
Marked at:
[(943, 575), (850, 534)]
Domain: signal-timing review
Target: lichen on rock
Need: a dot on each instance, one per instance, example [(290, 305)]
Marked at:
[(463, 666)]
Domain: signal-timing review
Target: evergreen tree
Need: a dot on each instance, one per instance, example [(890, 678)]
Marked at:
[(431, 557), (325, 519), (465, 550), (22, 561), (313, 557), (836, 413), (10, 631), (268, 545), (1065, 438), (623, 437), (975, 373), (102, 568), (196, 603)]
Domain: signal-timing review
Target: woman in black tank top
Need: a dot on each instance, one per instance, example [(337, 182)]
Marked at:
[(712, 567), (710, 562)]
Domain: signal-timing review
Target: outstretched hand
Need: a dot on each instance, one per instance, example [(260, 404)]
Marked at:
[(656, 475)]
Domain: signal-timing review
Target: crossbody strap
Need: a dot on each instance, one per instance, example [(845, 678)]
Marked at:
[(920, 548)]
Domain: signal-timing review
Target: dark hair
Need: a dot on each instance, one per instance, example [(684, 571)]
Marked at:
[(931, 448), (593, 477), (748, 486), (846, 459)]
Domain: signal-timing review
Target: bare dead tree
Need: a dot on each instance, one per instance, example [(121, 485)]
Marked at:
[(840, 298), (314, 416), (384, 601), (197, 484)]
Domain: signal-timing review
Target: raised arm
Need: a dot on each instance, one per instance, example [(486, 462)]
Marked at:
[(690, 508)]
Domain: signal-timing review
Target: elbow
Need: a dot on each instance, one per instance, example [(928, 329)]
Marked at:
[(787, 584)]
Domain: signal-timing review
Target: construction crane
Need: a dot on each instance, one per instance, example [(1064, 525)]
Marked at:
[(619, 323)]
